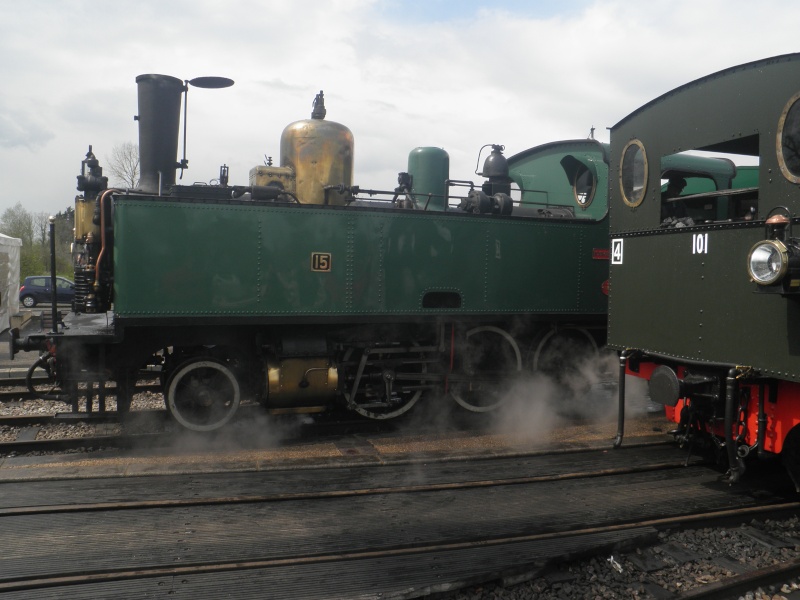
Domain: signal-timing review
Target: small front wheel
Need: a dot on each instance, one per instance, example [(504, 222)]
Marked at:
[(202, 394)]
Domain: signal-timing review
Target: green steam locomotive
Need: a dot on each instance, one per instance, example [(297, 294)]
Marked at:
[(303, 292)]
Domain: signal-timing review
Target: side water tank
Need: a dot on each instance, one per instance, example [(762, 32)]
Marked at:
[(320, 153), (430, 168)]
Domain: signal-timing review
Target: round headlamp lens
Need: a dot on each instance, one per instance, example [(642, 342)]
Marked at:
[(768, 262)]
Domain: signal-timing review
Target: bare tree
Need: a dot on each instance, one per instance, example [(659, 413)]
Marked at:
[(41, 226), (18, 222), (123, 165), (34, 231)]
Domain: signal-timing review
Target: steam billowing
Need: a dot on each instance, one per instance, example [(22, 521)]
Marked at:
[(535, 410), (537, 407)]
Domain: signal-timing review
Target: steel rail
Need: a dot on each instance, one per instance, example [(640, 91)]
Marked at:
[(24, 394), (110, 416), (99, 441), (144, 375), (326, 428)]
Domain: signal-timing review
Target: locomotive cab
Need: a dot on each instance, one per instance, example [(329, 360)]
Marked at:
[(704, 269)]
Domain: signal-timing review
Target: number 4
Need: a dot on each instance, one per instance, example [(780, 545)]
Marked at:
[(616, 252)]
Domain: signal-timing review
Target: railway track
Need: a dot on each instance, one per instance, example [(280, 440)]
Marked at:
[(398, 529), (154, 429), (15, 388), (442, 486), (723, 590), (740, 585), (32, 425)]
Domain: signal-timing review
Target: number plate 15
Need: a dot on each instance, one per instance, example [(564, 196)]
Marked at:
[(320, 261)]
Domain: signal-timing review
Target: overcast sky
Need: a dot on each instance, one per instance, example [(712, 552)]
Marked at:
[(456, 74)]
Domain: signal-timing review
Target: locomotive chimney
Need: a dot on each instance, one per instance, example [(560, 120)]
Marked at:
[(159, 124)]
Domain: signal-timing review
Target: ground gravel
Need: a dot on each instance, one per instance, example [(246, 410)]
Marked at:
[(611, 577)]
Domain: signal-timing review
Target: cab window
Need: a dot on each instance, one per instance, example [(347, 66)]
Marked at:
[(633, 173), (584, 187), (789, 138)]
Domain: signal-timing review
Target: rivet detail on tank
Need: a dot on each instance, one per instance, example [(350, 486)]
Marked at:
[(380, 263), (486, 242), (350, 264), (260, 247)]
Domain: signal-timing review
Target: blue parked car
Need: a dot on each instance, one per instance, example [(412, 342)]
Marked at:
[(36, 289)]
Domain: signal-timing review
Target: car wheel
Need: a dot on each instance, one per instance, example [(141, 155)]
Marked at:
[(28, 301)]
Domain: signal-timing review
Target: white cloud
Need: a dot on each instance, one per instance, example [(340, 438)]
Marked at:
[(399, 75), (20, 128)]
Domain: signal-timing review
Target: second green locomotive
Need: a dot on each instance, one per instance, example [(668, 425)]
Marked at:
[(706, 304)]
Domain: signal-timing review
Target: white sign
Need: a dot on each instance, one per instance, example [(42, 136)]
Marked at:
[(616, 251), (700, 243)]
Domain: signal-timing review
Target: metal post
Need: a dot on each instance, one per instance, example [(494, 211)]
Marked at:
[(735, 465), (53, 299), (623, 360)]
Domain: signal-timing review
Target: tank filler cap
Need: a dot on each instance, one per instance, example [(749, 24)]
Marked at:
[(319, 111)]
